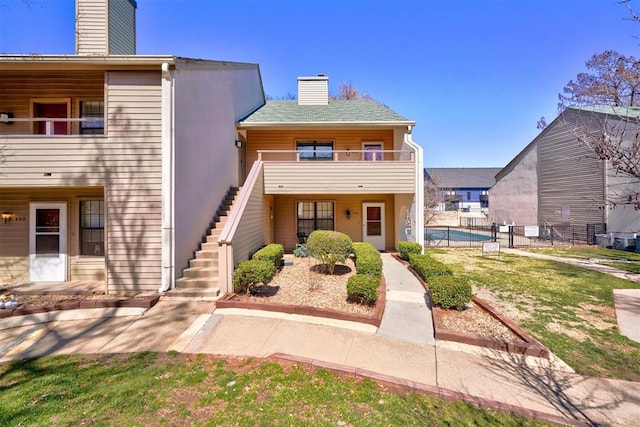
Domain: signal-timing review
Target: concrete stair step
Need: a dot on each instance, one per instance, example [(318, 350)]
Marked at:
[(208, 254), (201, 272), (211, 294), (203, 262), (197, 283)]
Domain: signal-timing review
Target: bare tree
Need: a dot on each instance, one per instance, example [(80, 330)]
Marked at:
[(435, 197), (612, 79), (348, 91)]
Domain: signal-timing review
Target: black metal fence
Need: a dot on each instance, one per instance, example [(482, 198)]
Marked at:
[(513, 235)]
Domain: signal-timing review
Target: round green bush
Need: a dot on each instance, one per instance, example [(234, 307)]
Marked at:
[(450, 292), (330, 247), (407, 248), (363, 289), (252, 273), (273, 252)]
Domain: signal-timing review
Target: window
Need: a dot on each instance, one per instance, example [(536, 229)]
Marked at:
[(314, 216), (92, 227), (315, 150), (94, 110), (372, 151)]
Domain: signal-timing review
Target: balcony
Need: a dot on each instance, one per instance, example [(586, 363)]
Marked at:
[(50, 126), (343, 172)]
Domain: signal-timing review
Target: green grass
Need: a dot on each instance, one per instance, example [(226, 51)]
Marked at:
[(172, 389), (569, 309)]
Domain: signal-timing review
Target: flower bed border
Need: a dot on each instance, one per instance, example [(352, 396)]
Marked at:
[(529, 347), (228, 301), (145, 301)]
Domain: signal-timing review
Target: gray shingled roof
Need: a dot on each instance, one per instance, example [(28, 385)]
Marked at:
[(463, 177), (337, 111)]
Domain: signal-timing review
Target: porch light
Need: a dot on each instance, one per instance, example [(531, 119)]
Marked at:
[(5, 117), (348, 214), (6, 215), (238, 143)]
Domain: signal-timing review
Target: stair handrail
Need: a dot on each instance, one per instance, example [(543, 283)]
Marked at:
[(235, 214)]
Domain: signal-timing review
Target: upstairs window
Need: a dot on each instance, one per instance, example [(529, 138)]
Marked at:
[(93, 110), (315, 150)]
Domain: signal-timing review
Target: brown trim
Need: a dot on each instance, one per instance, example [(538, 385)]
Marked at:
[(401, 385), (228, 301), (529, 347)]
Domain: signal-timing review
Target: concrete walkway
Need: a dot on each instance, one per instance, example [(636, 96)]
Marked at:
[(455, 370), (407, 315)]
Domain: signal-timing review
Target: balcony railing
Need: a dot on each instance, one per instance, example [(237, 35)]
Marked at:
[(336, 155), (342, 172), (50, 126)]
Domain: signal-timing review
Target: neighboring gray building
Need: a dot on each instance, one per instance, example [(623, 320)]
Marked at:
[(463, 189), (557, 181)]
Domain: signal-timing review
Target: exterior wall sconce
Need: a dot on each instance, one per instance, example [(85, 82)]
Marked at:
[(6, 215), (238, 143), (5, 118), (348, 214)]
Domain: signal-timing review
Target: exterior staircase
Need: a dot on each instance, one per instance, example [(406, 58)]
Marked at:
[(200, 279)]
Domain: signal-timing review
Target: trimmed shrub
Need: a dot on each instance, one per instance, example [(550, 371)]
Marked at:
[(428, 267), (408, 248), (450, 292), (273, 253), (363, 289), (330, 247), (368, 260), (252, 273)]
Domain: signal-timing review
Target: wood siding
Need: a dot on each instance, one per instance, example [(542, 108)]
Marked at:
[(568, 175), (14, 250), (252, 230), (91, 27), (126, 163), (122, 27), (339, 177), (345, 176), (285, 221), (19, 88)]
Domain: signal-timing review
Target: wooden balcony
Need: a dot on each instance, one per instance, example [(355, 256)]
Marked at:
[(342, 172)]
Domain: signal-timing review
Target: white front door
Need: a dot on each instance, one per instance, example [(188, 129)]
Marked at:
[(373, 224), (48, 242)]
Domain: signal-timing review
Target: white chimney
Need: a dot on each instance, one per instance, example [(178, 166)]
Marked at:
[(313, 90), (106, 27)]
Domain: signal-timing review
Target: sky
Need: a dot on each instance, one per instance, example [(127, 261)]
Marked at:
[(475, 76)]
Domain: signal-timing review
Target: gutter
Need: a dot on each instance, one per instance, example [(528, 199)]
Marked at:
[(168, 180), (418, 205)]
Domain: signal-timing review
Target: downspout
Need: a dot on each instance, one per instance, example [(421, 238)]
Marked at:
[(168, 174), (418, 205)]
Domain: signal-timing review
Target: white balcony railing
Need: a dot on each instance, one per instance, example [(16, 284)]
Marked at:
[(336, 155), (49, 125), (341, 172)]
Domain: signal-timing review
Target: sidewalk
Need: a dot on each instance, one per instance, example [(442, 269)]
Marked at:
[(445, 368)]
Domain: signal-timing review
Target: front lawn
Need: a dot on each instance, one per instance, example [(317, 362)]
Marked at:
[(568, 309), (610, 257), (175, 389)]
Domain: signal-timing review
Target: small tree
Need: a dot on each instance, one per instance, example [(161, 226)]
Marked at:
[(330, 247)]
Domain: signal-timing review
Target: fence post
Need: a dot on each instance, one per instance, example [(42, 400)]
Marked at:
[(511, 236), (551, 236), (494, 232), (448, 236)]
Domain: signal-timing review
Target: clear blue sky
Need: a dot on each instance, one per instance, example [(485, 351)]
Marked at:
[(475, 75)]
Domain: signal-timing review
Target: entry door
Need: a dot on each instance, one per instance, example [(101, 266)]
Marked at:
[(48, 242), (373, 224), (51, 111)]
